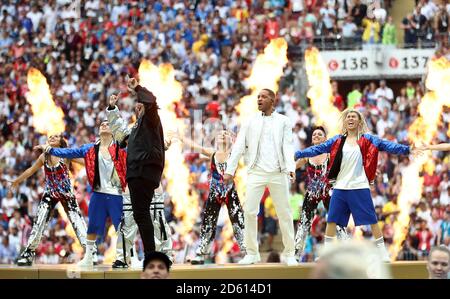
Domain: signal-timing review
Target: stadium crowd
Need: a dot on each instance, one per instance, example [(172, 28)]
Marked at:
[(86, 53)]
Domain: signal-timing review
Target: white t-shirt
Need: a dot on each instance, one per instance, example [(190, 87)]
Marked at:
[(9, 205), (352, 175), (267, 156), (35, 18)]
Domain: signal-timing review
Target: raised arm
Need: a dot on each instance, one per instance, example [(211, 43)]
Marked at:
[(388, 146), (191, 144), (316, 150), (438, 147), (237, 151), (118, 126), (69, 153), (27, 173)]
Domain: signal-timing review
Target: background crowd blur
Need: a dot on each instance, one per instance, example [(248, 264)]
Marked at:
[(86, 53)]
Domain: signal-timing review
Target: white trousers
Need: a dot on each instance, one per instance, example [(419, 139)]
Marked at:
[(278, 184)]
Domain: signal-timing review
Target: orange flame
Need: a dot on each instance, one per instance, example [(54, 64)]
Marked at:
[(161, 81), (423, 129), (47, 117), (320, 92)]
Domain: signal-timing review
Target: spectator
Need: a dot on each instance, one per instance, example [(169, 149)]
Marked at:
[(384, 96), (9, 204), (371, 33), (439, 263), (274, 257), (8, 252), (389, 33), (354, 97), (156, 266), (349, 30)]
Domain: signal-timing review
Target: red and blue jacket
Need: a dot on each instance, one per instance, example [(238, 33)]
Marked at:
[(90, 154), (369, 144)]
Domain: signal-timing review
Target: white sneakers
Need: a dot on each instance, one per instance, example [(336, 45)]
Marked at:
[(384, 254), (136, 263), (87, 261), (291, 261), (250, 259)]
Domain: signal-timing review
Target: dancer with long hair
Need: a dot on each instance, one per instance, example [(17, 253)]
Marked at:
[(353, 164), (318, 189), (106, 171), (219, 194), (58, 188)]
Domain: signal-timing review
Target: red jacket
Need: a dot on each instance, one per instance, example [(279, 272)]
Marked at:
[(90, 154), (369, 144)]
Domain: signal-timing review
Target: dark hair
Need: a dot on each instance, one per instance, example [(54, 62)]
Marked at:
[(270, 92), (319, 128), (274, 257), (62, 141), (156, 255)]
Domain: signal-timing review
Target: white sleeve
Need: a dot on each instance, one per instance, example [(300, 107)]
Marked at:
[(237, 151)]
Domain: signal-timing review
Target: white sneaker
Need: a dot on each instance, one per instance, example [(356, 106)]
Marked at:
[(250, 259), (291, 261), (198, 260), (384, 254), (86, 262), (136, 263)]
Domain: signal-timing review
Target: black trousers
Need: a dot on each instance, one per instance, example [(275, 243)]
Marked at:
[(141, 193)]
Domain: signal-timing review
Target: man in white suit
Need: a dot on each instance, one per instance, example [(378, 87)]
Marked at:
[(267, 145)]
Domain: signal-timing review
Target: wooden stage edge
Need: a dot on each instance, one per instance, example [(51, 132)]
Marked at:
[(403, 270)]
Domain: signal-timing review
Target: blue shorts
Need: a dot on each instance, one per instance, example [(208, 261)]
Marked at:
[(356, 202), (101, 206)]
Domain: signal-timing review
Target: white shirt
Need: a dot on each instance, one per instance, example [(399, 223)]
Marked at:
[(109, 180), (382, 125), (384, 97), (35, 19), (267, 154), (144, 47), (352, 175), (348, 29), (327, 13)]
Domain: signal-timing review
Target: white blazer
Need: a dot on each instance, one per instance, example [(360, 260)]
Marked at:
[(248, 139)]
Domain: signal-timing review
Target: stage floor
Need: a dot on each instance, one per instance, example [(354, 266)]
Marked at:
[(405, 270)]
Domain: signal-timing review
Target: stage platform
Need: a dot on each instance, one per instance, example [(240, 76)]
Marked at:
[(405, 270)]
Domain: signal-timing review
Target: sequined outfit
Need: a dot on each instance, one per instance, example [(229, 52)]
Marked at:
[(220, 193), (318, 189), (58, 188)]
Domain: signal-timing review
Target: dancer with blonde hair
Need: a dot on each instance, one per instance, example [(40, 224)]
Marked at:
[(352, 168)]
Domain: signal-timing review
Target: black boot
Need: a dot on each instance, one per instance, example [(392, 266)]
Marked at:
[(25, 258)]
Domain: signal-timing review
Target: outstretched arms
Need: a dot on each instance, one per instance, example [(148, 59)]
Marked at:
[(27, 173), (317, 149)]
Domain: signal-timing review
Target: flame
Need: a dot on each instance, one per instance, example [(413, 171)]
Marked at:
[(423, 129), (161, 81), (47, 117), (320, 92)]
